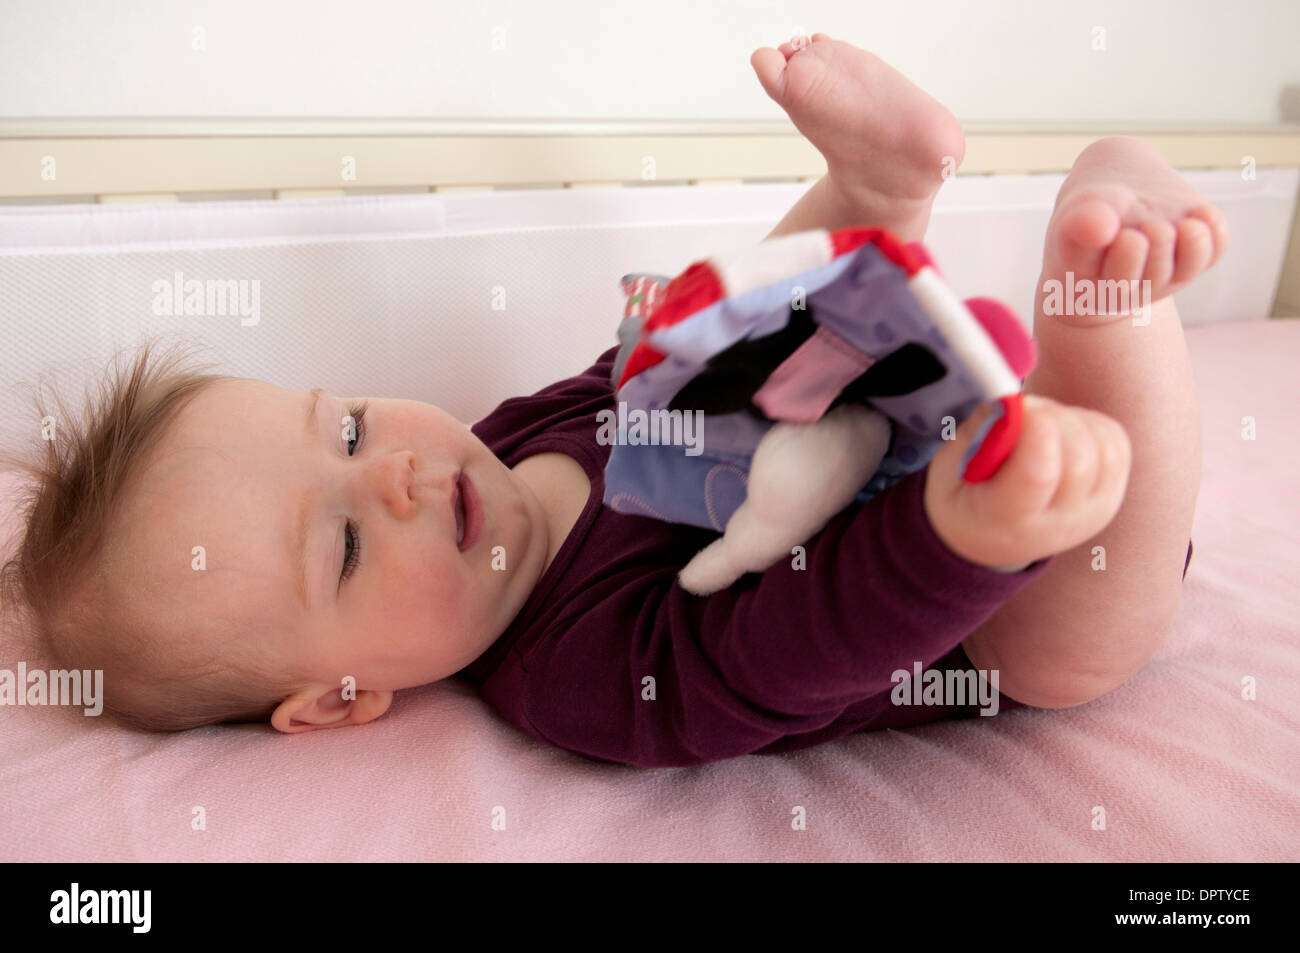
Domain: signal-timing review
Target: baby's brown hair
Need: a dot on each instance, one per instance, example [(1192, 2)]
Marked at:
[(65, 588)]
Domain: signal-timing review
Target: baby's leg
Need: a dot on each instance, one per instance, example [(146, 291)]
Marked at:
[(888, 145), (1079, 631)]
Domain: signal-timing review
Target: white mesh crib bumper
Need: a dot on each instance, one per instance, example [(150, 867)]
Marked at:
[(463, 300)]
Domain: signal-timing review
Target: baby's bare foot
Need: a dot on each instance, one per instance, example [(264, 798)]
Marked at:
[(888, 145), (1123, 215), (1062, 484)]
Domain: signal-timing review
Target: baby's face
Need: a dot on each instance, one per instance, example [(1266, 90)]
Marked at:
[(343, 538)]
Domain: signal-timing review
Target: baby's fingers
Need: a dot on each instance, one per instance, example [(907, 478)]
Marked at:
[(1115, 459), (1029, 478), (1080, 459), (1069, 460), (1095, 456)]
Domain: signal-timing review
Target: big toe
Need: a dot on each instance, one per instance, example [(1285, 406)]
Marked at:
[(1082, 231), (769, 64), (1089, 222)]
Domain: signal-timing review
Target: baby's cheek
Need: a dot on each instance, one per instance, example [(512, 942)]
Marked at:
[(406, 604), (431, 583)]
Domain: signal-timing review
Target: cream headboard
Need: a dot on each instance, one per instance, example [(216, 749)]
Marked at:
[(59, 161)]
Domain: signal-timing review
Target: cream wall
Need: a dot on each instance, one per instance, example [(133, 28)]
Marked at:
[(1000, 60)]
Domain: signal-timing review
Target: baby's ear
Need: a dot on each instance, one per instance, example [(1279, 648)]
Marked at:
[(323, 706)]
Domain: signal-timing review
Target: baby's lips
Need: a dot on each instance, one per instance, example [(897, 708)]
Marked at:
[(460, 519)]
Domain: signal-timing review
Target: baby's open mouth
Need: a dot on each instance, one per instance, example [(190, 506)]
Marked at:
[(469, 513), (460, 514)]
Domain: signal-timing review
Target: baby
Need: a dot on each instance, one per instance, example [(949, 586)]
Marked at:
[(226, 550)]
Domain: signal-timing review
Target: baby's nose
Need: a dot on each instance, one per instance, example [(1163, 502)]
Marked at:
[(432, 485), (395, 478)]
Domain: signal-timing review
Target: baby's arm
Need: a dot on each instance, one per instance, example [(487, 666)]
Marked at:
[(687, 680)]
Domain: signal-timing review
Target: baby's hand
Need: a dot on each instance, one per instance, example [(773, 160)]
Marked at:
[(1063, 482)]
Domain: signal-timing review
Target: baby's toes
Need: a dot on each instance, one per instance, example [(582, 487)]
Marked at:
[(1162, 238), (1196, 249), (1126, 258), (1211, 216), (793, 45), (796, 75)]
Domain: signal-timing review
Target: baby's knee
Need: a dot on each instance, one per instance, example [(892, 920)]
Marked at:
[(1044, 686), (1051, 680), (1053, 692)]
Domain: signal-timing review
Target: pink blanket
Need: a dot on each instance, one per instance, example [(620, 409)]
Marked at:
[(1182, 766)]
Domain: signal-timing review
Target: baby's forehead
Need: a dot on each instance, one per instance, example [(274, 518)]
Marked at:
[(227, 392), (219, 434), (206, 501), (224, 411), (193, 518)]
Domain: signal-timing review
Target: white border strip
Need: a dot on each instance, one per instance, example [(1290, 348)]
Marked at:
[(964, 334)]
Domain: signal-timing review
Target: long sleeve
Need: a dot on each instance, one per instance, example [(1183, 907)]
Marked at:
[(652, 675)]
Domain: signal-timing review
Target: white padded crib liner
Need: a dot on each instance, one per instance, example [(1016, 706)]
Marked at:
[(463, 300), (199, 224)]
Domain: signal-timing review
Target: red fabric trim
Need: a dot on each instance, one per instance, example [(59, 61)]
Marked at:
[(693, 290), (642, 357), (923, 256), (851, 239), (998, 442), (901, 255)]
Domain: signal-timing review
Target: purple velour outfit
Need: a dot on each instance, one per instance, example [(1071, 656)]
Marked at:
[(609, 657)]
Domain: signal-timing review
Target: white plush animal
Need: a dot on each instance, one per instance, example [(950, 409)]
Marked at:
[(799, 477)]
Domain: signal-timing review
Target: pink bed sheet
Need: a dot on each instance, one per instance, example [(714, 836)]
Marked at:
[(1184, 768)]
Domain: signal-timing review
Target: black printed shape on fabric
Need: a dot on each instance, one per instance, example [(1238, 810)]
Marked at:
[(907, 369), (732, 377)]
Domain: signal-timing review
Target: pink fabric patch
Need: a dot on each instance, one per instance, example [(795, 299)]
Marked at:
[(811, 378)]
